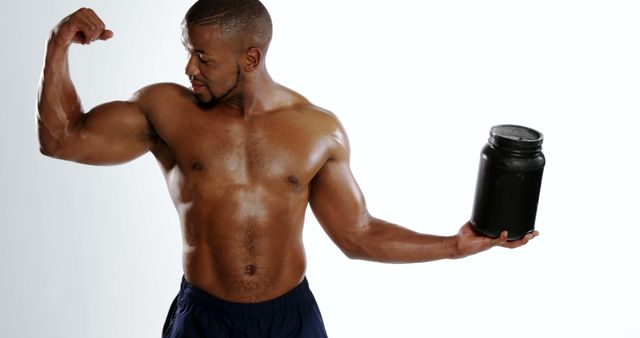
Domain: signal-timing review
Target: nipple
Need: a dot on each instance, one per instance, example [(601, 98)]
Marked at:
[(293, 180), (197, 166)]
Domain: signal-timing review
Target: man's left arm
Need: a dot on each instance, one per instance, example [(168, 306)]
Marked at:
[(339, 206)]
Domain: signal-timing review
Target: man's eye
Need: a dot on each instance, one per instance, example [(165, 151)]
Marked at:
[(199, 56), (202, 59)]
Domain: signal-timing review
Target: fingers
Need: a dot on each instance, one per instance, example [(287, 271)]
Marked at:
[(91, 26), (106, 35), (524, 240), (501, 240), (83, 26), (504, 236)]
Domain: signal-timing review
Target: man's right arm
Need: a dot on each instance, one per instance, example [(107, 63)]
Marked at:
[(111, 133)]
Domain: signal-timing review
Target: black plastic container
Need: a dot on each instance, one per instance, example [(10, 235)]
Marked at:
[(509, 180)]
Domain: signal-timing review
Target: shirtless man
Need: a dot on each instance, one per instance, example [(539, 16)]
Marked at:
[(242, 157)]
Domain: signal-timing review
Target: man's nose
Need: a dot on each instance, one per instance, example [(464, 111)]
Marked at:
[(191, 69)]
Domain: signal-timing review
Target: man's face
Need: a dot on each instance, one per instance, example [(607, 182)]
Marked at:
[(213, 63)]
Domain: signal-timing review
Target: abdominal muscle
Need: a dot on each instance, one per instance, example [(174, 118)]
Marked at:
[(245, 246)]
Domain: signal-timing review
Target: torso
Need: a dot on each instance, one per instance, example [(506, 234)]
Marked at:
[(241, 188)]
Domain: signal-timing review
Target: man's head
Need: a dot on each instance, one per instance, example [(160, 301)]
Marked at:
[(227, 40)]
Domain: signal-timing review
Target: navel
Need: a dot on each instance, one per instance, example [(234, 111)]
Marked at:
[(250, 270)]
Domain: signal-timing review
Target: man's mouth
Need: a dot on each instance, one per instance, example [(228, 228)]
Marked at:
[(197, 86)]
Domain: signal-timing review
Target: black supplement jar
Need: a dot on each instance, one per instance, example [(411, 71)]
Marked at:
[(508, 184)]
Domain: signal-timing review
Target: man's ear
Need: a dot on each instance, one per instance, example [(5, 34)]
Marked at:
[(252, 59)]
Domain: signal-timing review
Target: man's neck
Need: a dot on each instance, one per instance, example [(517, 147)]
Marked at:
[(257, 95)]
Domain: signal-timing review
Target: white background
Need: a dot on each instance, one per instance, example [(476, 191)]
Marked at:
[(95, 251)]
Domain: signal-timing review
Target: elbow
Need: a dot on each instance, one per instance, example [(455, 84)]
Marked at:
[(359, 242), (48, 151), (44, 151), (48, 145), (52, 151), (353, 247), (356, 255), (350, 252), (353, 254)]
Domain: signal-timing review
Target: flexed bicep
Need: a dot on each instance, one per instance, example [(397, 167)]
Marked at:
[(111, 133)]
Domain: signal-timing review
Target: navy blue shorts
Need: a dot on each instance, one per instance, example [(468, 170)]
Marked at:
[(196, 313)]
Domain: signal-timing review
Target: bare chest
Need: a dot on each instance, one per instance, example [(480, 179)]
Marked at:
[(213, 155)]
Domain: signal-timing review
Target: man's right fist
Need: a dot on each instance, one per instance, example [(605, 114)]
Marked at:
[(83, 26)]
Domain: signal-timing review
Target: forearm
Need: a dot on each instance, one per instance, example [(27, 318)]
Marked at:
[(382, 241), (59, 108)]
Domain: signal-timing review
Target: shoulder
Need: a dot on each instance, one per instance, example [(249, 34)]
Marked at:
[(328, 125), (158, 101), (323, 124), (160, 92), (321, 118)]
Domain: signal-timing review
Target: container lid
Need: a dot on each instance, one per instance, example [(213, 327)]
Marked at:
[(515, 138)]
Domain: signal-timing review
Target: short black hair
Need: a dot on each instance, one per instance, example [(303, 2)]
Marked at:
[(247, 20)]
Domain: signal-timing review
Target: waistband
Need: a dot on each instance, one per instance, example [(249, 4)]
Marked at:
[(296, 296)]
